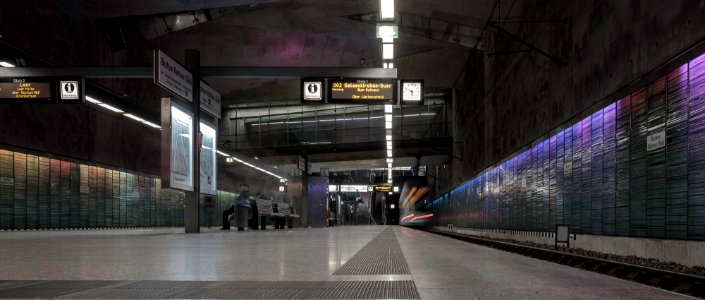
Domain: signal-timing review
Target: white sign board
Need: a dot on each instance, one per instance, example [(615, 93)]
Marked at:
[(85, 189), (181, 171), (656, 141), (353, 188), (562, 234), (7, 181), (172, 76), (69, 90), (208, 160), (302, 163), (210, 100), (313, 90)]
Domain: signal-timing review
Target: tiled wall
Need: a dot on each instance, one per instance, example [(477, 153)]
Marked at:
[(597, 176), (39, 192)]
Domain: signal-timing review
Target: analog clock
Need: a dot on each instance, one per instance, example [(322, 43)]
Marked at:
[(411, 91)]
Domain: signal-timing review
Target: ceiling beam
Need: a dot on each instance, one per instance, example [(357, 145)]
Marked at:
[(208, 72), (129, 8)]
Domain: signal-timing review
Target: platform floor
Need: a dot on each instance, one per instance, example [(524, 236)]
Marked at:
[(362, 262)]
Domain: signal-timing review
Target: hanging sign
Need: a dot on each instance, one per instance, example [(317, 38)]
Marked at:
[(41, 90), (172, 76), (210, 100), (361, 91), (312, 90)]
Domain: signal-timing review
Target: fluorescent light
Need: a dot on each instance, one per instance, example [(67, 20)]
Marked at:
[(389, 153), (388, 108), (386, 9), (388, 51), (93, 100), (387, 32), (388, 125), (221, 153), (6, 64), (389, 137), (113, 108), (150, 124), (390, 65), (228, 159), (136, 118), (390, 160), (389, 165), (389, 145), (388, 117)]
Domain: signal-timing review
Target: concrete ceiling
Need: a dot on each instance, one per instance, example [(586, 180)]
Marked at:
[(435, 40), (433, 45)]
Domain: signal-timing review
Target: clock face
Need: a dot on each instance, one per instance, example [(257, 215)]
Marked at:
[(411, 91)]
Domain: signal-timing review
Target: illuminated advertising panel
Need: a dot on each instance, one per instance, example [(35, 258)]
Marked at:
[(177, 146), (208, 160)]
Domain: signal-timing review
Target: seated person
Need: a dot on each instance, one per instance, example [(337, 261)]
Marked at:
[(244, 196)]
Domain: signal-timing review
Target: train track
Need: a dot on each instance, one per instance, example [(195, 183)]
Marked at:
[(668, 280)]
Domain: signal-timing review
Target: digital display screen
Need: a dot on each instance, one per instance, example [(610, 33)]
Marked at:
[(25, 90), (40, 90), (362, 90), (383, 188)]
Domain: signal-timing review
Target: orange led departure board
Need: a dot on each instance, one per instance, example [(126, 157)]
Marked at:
[(41, 90), (362, 91)]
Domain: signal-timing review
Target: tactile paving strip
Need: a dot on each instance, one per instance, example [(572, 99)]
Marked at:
[(90, 289), (381, 256)]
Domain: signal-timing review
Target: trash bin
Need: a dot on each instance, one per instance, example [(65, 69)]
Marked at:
[(242, 210)]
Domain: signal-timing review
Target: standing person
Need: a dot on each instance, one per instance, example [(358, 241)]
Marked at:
[(241, 198), (208, 209)]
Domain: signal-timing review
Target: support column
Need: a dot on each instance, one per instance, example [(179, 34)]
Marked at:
[(191, 203)]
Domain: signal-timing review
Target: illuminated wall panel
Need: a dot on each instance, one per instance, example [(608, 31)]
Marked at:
[(598, 175), (38, 192)]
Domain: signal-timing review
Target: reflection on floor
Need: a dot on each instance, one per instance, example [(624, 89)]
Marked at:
[(361, 262)]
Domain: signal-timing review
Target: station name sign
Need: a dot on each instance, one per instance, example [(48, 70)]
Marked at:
[(172, 76), (361, 91), (41, 90)]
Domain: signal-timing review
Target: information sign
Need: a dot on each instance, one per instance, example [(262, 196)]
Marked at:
[(40, 90), (361, 91)]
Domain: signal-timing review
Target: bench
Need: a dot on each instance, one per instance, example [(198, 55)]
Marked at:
[(266, 208), (285, 211)]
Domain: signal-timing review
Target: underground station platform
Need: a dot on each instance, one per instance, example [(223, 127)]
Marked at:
[(358, 149)]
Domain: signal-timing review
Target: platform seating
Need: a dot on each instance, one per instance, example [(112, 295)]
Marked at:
[(267, 208)]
